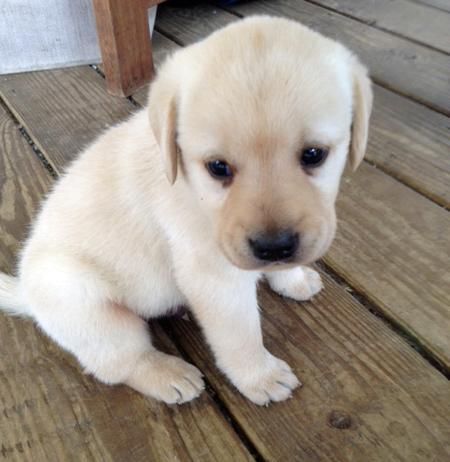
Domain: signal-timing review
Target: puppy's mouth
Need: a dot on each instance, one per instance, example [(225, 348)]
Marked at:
[(248, 262), (280, 265)]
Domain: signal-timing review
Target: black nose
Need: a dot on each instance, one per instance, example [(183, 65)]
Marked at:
[(274, 247)]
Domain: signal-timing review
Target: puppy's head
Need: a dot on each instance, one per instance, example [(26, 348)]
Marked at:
[(258, 121)]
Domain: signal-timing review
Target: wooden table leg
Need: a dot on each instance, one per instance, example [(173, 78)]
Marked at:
[(125, 43)]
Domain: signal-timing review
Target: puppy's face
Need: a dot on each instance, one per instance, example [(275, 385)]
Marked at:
[(261, 129)]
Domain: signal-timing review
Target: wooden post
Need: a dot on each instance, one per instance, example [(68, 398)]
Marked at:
[(125, 43)]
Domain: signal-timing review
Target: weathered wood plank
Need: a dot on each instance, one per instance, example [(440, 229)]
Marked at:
[(191, 24), (411, 143), (408, 68), (352, 365), (62, 104), (50, 410), (162, 47), (440, 4), (81, 112), (23, 181), (393, 246), (414, 21)]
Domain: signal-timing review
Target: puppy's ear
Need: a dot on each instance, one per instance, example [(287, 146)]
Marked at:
[(163, 120), (362, 107), (168, 142)]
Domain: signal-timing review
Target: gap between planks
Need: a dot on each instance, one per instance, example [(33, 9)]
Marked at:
[(393, 325), (393, 175), (441, 5), (40, 155), (374, 23)]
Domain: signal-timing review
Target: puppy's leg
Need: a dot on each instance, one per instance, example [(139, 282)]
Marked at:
[(225, 305), (73, 302), (299, 283)]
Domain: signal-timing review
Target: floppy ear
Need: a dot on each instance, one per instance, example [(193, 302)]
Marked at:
[(168, 142), (362, 107), (163, 120)]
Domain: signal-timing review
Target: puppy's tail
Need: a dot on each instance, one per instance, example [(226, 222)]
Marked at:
[(9, 296)]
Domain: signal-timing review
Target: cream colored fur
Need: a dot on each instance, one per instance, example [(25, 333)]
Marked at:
[(137, 226)]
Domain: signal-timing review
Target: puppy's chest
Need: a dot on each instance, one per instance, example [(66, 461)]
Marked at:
[(147, 282)]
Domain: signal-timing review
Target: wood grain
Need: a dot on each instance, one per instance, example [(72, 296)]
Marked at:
[(23, 181), (191, 24), (414, 21), (125, 44), (441, 4), (393, 246), (411, 143), (62, 105), (403, 66), (50, 410), (395, 406)]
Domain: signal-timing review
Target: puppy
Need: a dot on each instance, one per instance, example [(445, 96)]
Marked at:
[(252, 128)]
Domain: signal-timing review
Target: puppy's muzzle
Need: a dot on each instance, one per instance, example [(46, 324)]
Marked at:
[(275, 247)]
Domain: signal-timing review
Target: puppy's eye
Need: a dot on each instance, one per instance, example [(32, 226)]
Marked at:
[(313, 157), (219, 169)]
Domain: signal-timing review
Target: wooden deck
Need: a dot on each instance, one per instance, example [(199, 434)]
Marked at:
[(373, 349)]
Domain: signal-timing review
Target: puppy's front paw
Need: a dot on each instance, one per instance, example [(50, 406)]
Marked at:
[(271, 381), (300, 283), (166, 378)]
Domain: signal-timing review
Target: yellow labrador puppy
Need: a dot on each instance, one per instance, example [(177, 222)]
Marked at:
[(252, 130)]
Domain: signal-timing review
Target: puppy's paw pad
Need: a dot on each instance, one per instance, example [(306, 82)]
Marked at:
[(276, 383), (167, 378)]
